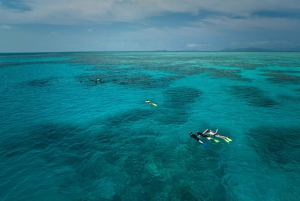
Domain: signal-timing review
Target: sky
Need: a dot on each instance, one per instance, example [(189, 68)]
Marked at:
[(147, 25)]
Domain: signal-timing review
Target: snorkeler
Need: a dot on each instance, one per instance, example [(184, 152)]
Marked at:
[(150, 103), (197, 138), (210, 132), (203, 135)]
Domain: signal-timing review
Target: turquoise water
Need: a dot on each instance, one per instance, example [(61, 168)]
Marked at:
[(65, 137)]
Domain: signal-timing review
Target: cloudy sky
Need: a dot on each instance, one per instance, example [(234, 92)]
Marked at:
[(147, 25)]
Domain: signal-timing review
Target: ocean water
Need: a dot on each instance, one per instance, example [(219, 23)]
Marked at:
[(66, 137)]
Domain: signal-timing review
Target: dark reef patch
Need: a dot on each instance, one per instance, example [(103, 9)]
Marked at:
[(278, 146), (187, 96), (40, 82), (176, 109), (137, 165), (236, 63), (149, 166), (252, 95), (214, 72), (66, 150), (143, 81), (12, 64), (117, 132), (281, 71), (46, 139), (192, 70), (284, 97), (185, 194), (243, 65), (56, 142), (179, 116), (282, 76), (224, 73), (36, 60), (128, 117), (160, 178), (134, 166)]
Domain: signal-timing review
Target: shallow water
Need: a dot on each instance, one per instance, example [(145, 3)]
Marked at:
[(66, 137)]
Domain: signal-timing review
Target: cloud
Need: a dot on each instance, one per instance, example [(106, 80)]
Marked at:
[(251, 44), (96, 11), (204, 46), (150, 24), (262, 44), (5, 27), (249, 23), (192, 45)]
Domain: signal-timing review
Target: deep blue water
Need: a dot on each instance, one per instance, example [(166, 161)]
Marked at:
[(65, 137)]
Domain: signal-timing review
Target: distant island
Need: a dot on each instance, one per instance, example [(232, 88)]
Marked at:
[(250, 49), (253, 49)]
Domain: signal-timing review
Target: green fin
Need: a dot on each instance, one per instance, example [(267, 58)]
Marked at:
[(216, 140), (227, 138)]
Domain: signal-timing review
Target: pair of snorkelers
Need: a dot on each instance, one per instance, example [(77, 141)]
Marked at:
[(215, 134), (205, 135)]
